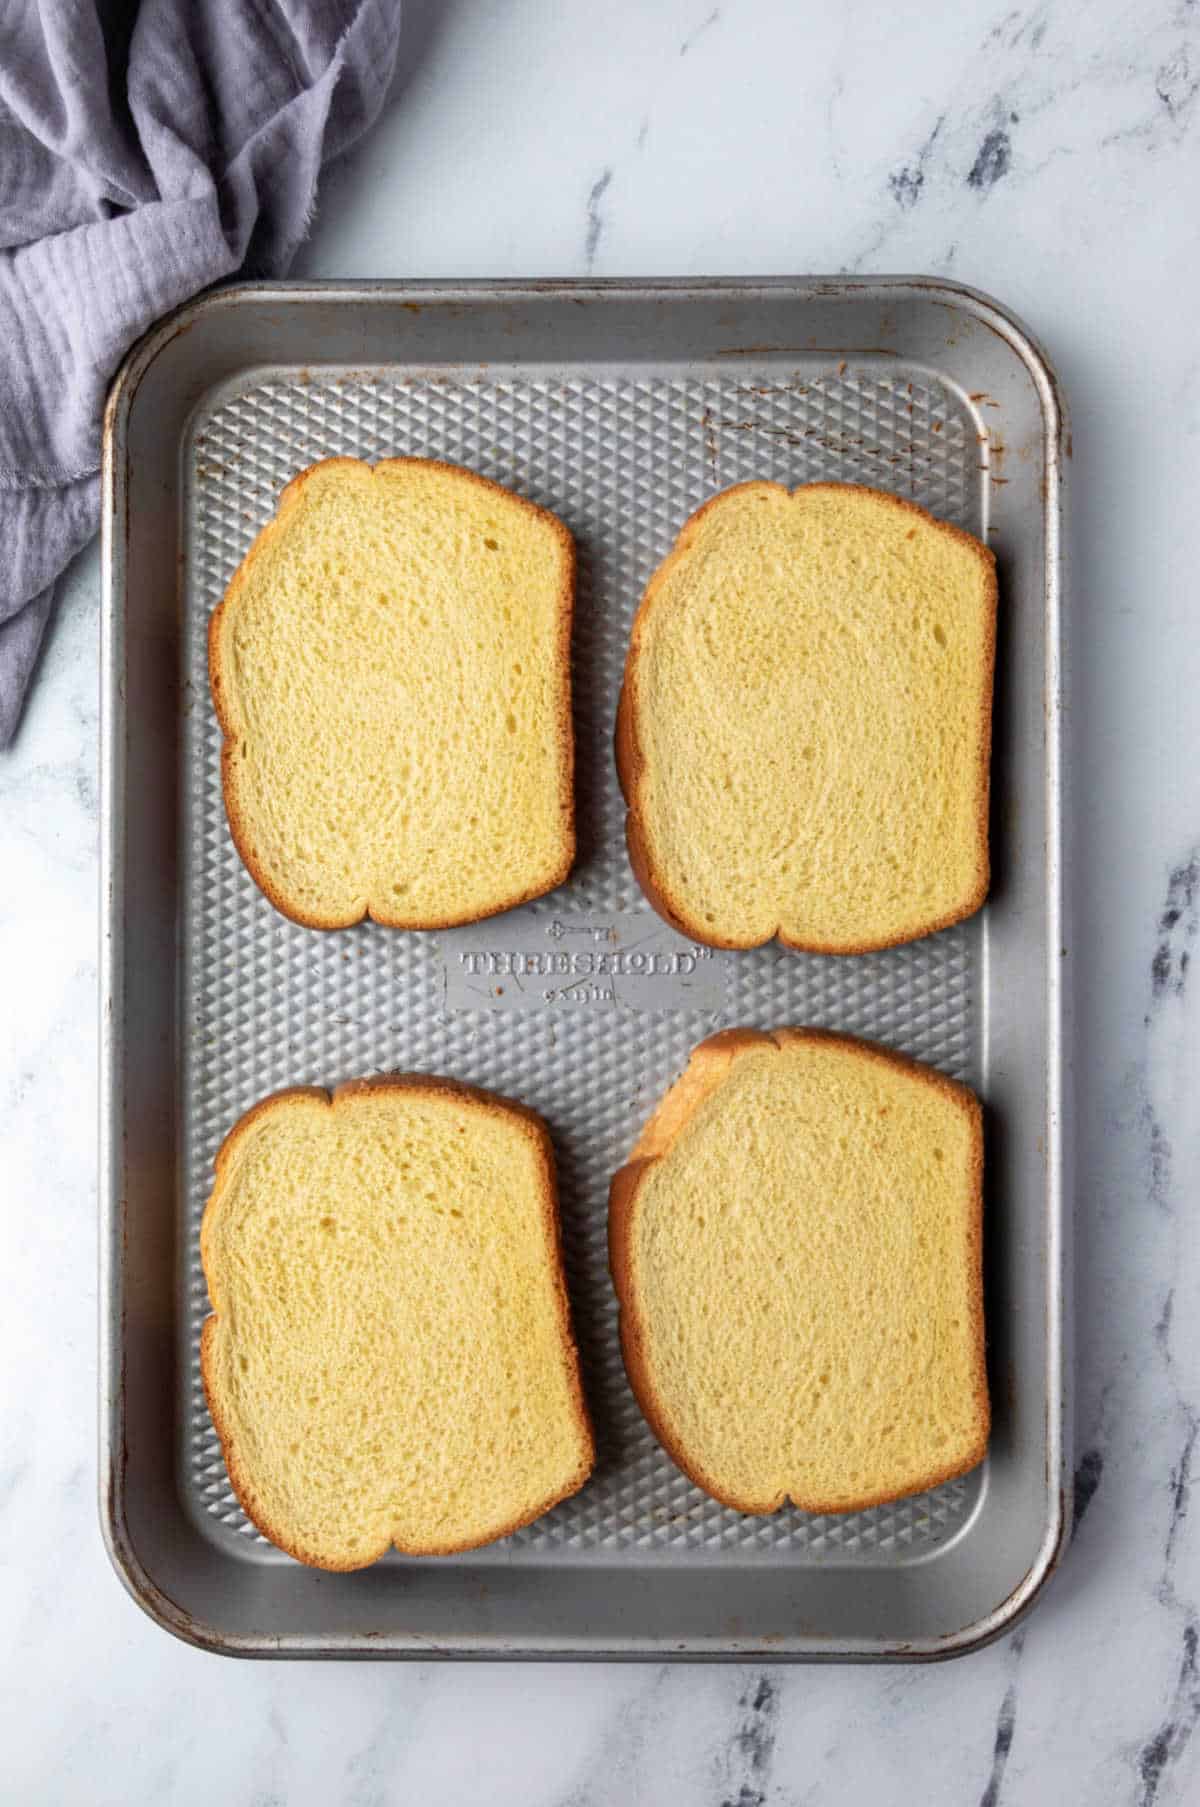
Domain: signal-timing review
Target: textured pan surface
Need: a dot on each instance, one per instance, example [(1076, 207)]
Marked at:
[(623, 457)]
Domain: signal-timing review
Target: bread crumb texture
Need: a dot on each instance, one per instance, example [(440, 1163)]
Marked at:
[(807, 721), (390, 1359), (391, 670), (796, 1247)]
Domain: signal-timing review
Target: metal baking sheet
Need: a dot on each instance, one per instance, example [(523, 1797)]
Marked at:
[(621, 407)]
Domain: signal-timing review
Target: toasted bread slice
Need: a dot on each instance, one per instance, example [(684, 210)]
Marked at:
[(796, 1247), (390, 667), (390, 1360), (805, 724)]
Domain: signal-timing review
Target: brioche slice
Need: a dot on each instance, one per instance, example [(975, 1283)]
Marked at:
[(804, 732), (390, 668), (389, 1360), (795, 1244)]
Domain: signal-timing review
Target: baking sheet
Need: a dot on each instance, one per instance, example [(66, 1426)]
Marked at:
[(584, 1004)]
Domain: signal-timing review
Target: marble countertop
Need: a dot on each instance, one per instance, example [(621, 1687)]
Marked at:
[(1048, 155)]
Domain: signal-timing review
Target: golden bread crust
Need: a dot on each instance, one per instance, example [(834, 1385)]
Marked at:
[(290, 498), (631, 759), (534, 1127), (707, 1069)]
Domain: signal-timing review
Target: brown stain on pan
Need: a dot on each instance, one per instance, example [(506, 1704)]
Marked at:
[(807, 351)]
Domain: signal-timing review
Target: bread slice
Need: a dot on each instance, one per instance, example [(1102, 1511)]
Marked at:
[(796, 1249), (390, 668), (389, 1360), (804, 732)]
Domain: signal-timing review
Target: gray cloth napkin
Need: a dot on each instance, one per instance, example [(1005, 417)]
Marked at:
[(145, 152)]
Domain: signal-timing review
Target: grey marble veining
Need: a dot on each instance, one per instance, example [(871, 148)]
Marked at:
[(1048, 154)]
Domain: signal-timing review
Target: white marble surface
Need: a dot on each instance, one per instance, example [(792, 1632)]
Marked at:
[(1047, 154)]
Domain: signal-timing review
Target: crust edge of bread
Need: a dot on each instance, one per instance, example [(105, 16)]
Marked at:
[(707, 1068), (631, 761), (289, 500), (493, 1102)]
